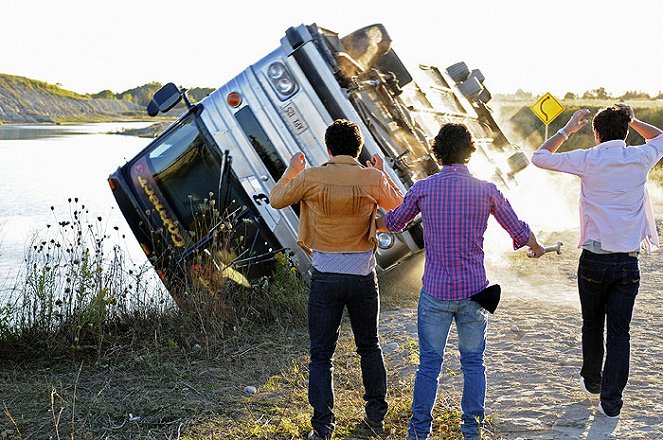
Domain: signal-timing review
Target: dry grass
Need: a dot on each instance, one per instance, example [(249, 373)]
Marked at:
[(179, 393), (656, 174), (97, 356)]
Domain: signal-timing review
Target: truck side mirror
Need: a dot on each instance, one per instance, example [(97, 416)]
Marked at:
[(152, 109), (390, 62), (164, 99)]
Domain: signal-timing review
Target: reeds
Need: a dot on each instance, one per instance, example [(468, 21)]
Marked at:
[(79, 293)]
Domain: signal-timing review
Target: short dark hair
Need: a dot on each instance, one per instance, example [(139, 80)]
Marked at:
[(344, 137), (453, 144), (611, 123)]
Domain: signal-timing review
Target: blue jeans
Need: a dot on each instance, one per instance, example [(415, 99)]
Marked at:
[(330, 294), (608, 285), (434, 321)]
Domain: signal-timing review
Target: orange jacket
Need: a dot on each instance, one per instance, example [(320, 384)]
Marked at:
[(338, 202)]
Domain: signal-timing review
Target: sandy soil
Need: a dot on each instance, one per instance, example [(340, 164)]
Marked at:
[(534, 353)]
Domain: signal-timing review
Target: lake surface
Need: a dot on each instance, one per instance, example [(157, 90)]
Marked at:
[(44, 166)]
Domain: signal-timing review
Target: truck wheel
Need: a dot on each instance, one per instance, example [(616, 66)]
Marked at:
[(518, 161), (458, 72), (484, 96), (476, 73), (471, 88)]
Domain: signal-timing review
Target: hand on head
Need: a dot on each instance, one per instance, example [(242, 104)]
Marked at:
[(629, 110), (577, 121)]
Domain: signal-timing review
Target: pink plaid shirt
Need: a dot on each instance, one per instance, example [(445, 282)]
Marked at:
[(455, 207)]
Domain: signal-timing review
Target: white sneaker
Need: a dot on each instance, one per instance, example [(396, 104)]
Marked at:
[(591, 395), (600, 409)]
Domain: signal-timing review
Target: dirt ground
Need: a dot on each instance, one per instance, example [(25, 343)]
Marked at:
[(533, 359), (534, 353)]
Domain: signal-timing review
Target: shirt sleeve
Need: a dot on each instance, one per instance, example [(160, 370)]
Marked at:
[(390, 195), (287, 191), (653, 150), (572, 162), (501, 209), (397, 219)]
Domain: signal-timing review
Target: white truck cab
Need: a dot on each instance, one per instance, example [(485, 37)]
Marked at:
[(227, 151)]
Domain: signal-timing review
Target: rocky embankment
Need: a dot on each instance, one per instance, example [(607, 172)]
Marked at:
[(23, 100)]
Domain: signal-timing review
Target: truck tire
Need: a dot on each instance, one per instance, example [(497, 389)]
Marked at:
[(458, 72), (484, 96), (476, 73), (518, 161), (470, 88)]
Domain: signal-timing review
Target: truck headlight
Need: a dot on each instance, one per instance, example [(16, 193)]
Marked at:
[(281, 80), (385, 240)]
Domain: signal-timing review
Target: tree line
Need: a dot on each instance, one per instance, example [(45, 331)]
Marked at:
[(598, 93)]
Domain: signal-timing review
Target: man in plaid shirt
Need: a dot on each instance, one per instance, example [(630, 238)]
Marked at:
[(455, 207)]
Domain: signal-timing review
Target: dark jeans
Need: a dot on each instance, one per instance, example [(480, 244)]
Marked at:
[(608, 285), (330, 294)]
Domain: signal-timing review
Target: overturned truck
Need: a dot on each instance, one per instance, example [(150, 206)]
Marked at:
[(205, 181)]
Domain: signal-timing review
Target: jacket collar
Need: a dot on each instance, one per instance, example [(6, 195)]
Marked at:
[(342, 159)]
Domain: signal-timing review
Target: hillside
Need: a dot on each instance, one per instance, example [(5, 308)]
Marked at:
[(24, 100), (525, 129)]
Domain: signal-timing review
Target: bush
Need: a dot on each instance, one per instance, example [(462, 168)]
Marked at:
[(79, 294)]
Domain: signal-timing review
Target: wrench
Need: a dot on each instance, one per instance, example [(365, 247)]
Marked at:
[(557, 249)]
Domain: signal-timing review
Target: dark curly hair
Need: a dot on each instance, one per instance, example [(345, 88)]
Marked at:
[(453, 144), (344, 137), (611, 123)]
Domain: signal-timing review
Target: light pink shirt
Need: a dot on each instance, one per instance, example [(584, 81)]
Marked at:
[(615, 208)]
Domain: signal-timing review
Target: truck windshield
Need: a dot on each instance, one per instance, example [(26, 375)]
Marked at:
[(187, 173)]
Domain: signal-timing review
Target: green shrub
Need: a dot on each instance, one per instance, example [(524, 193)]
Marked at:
[(80, 294)]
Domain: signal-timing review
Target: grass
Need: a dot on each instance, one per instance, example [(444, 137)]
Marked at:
[(93, 348), (656, 174), (525, 129), (174, 392), (11, 82)]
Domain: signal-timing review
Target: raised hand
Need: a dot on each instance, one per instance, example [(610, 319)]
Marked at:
[(298, 162), (375, 162), (577, 121)]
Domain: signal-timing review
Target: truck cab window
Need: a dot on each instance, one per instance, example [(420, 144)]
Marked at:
[(261, 142), (186, 172)]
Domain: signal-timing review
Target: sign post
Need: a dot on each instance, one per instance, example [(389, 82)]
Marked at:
[(547, 108)]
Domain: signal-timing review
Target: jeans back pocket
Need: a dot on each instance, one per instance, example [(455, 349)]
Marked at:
[(591, 278)]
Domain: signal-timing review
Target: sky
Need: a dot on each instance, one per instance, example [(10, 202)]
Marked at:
[(537, 46)]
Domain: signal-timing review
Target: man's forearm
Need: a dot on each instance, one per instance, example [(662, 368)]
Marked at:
[(553, 143), (576, 122), (645, 130)]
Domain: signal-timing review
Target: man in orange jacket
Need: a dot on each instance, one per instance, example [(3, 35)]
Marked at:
[(338, 201)]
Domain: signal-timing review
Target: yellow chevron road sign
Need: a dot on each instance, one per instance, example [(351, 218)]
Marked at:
[(547, 108)]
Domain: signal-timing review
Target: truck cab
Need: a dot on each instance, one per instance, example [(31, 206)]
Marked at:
[(208, 176)]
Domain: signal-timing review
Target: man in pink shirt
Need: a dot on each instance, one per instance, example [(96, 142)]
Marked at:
[(616, 220)]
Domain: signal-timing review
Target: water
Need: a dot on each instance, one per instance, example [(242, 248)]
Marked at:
[(44, 166)]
